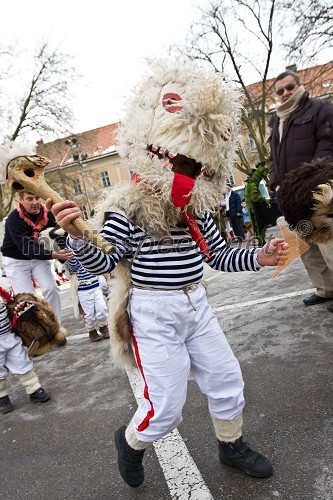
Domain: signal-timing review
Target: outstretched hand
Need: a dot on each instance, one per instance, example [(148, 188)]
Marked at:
[(273, 253), (65, 212)]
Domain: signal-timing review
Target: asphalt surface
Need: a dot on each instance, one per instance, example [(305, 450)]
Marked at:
[(64, 449)]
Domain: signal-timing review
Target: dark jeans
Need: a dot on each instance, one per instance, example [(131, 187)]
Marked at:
[(237, 226)]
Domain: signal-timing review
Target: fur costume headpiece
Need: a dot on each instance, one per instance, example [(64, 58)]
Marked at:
[(306, 200), (179, 108)]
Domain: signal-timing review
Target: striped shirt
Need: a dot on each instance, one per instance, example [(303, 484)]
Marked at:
[(169, 262), (5, 326), (86, 280)]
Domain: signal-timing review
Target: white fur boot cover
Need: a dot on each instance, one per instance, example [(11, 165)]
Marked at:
[(228, 430), (132, 440), (3, 388), (30, 381)]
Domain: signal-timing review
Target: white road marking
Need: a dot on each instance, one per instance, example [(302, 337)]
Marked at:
[(78, 336), (262, 301), (213, 277), (181, 473)]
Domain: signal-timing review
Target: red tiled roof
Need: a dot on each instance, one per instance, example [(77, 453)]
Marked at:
[(94, 143), (318, 81)]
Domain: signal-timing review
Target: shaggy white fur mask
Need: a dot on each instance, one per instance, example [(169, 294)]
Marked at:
[(186, 110)]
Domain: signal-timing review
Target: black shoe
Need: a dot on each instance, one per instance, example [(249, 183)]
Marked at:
[(315, 299), (330, 308), (40, 396), (6, 405), (239, 454), (129, 460)]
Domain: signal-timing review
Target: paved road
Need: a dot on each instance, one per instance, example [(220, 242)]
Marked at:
[(64, 449)]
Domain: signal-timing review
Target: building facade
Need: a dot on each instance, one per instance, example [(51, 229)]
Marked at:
[(83, 166)]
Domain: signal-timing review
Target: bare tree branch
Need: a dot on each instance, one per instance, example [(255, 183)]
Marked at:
[(312, 28), (43, 105), (215, 40)]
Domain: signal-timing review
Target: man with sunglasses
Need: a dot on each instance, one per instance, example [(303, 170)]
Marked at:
[(302, 131)]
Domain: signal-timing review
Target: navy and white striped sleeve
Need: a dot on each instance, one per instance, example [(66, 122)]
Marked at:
[(72, 265), (223, 257), (116, 230)]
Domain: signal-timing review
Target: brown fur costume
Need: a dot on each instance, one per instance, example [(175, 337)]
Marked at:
[(306, 200), (40, 330)]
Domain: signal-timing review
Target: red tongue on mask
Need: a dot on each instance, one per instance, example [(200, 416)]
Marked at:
[(181, 194), (181, 190)]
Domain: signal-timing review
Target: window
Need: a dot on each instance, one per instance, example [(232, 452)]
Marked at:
[(77, 186), (252, 142), (105, 179), (84, 212)]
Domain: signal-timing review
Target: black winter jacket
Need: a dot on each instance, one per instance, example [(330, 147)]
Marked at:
[(235, 205), (307, 135), (18, 242)]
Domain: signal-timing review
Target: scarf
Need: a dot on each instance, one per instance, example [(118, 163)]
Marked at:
[(287, 108), (41, 220)]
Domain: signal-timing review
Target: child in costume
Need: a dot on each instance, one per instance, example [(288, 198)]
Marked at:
[(14, 359), (92, 301), (180, 137)]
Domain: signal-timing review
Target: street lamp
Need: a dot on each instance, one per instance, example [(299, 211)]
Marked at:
[(79, 158)]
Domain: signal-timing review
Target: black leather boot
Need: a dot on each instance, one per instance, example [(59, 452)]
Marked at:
[(6, 404), (129, 460), (239, 454), (40, 396)]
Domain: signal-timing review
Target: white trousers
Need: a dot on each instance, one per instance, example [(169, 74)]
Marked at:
[(20, 272), (170, 339), (94, 307), (13, 356)]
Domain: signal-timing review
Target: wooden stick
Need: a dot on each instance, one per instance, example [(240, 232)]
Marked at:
[(27, 172)]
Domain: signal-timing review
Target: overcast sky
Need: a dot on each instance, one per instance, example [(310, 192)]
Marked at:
[(109, 39)]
